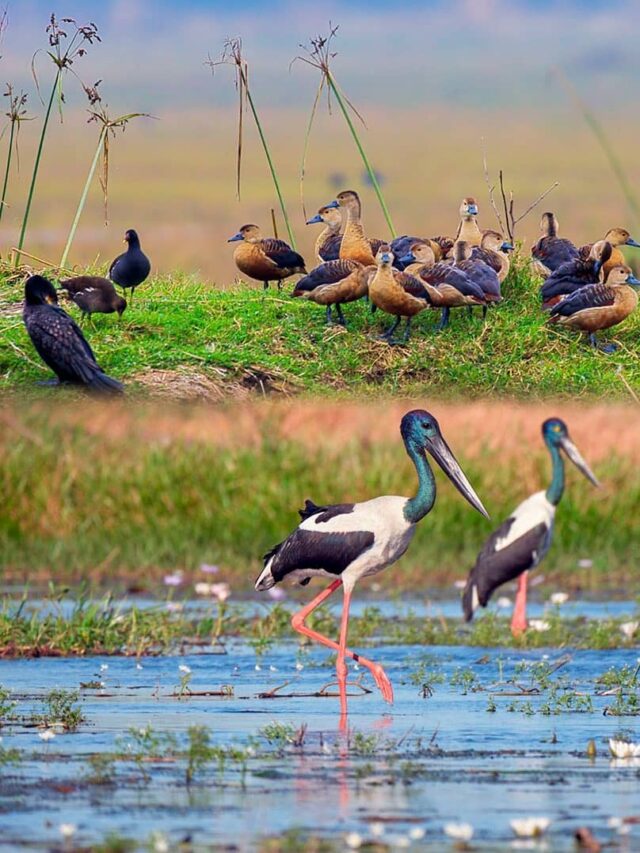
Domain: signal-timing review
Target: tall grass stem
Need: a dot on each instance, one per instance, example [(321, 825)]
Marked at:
[(7, 169)]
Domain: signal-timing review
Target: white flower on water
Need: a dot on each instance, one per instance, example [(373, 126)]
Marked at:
[(299, 666), (104, 667), (184, 668), (46, 735), (559, 597), (629, 628), (529, 827), (624, 749), (620, 826), (459, 831), (376, 829), (273, 668), (539, 625), (67, 830), (138, 666), (504, 602), (257, 667), (417, 833), (159, 843), (353, 840)]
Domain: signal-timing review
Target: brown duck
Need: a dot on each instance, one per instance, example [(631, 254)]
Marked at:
[(599, 306), (94, 295), (328, 241), (493, 250), (397, 293), (615, 237), (334, 283), (468, 227), (355, 245), (265, 259), (551, 251)]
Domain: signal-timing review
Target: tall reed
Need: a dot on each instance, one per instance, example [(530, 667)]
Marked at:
[(232, 55), (17, 113), (63, 59), (319, 56)]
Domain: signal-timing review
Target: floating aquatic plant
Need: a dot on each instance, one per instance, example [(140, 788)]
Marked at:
[(64, 51), (318, 54), (232, 55)]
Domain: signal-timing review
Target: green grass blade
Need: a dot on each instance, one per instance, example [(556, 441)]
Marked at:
[(303, 164), (83, 198), (365, 160), (36, 166), (7, 169)]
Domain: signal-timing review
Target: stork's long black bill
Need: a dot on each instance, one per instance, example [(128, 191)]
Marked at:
[(576, 457), (441, 452)]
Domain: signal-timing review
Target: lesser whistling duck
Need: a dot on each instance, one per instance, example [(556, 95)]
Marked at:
[(493, 251), (265, 259), (132, 267), (522, 541), (334, 283), (575, 274), (328, 241), (401, 246), (355, 245), (478, 271), (397, 293), (447, 286), (616, 237), (599, 306), (346, 542), (468, 229), (59, 341), (551, 251), (94, 295)]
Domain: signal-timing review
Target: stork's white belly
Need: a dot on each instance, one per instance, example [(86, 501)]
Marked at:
[(530, 513)]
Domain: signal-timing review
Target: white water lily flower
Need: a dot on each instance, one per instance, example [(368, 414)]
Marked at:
[(67, 830), (539, 625), (46, 735), (353, 840), (299, 666), (529, 827), (257, 667), (624, 749), (459, 831), (273, 668), (104, 667), (203, 588), (376, 829), (559, 597), (629, 628), (504, 602), (184, 668), (417, 833)]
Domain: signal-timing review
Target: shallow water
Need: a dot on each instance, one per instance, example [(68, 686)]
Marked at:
[(455, 761)]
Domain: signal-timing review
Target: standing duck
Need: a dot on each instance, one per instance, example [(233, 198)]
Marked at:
[(396, 293), (599, 306), (329, 239), (615, 237), (334, 283), (265, 259), (468, 229), (575, 274), (478, 271), (493, 251), (401, 246), (59, 341), (355, 245), (522, 541), (346, 542), (551, 251), (132, 267), (447, 286), (94, 295)]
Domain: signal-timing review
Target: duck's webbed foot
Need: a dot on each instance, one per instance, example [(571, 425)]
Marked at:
[(608, 348)]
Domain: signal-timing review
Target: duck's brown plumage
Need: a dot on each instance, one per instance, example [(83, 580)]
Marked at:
[(266, 259), (598, 306), (397, 293), (468, 229), (489, 253), (335, 282), (551, 251), (615, 237), (355, 245)]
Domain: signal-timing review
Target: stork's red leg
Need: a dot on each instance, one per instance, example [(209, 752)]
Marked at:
[(298, 624), (341, 666), (519, 619)]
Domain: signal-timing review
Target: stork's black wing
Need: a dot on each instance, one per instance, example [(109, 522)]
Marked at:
[(310, 549)]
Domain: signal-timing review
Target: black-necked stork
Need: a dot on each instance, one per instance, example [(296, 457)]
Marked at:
[(345, 542), (522, 541)]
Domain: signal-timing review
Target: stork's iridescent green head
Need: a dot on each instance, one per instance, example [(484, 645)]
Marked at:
[(556, 435), (421, 431)]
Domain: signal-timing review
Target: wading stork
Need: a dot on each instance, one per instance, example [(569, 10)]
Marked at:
[(345, 542), (522, 541)]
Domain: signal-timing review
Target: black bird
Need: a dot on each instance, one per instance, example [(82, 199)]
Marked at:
[(94, 295), (59, 341), (132, 267)]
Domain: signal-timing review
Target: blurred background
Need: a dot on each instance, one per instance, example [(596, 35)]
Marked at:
[(432, 80)]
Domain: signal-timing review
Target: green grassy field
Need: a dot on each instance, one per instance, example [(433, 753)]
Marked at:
[(119, 507), (181, 338)]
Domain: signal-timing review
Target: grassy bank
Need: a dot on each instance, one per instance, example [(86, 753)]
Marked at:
[(96, 501), (182, 339)]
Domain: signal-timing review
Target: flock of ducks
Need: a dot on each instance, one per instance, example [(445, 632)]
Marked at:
[(56, 336), (587, 288), (346, 542)]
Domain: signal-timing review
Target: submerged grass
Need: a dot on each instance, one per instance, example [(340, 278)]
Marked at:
[(183, 328)]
